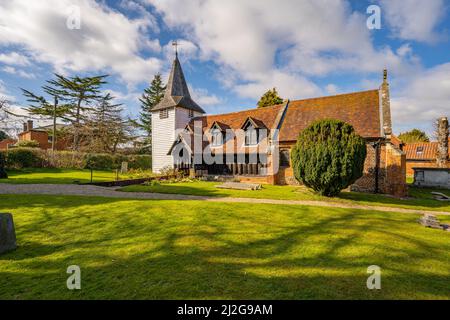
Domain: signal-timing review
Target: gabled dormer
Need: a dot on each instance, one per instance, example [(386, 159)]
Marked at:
[(252, 128), (218, 133)]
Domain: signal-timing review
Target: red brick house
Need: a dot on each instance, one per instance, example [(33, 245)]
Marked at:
[(41, 135), (422, 155), (6, 143)]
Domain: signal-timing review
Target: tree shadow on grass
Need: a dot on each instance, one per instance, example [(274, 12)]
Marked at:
[(211, 259)]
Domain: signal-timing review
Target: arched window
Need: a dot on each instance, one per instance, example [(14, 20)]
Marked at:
[(284, 158)]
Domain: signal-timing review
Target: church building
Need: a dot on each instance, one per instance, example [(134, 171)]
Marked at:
[(185, 138)]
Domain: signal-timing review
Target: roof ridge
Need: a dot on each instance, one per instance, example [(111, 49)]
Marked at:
[(241, 111), (337, 95)]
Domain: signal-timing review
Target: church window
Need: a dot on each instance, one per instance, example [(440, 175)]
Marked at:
[(284, 158), (191, 113)]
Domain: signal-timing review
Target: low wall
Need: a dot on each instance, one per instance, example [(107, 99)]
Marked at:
[(432, 177)]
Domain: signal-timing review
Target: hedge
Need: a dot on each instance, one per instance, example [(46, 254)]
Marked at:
[(19, 158)]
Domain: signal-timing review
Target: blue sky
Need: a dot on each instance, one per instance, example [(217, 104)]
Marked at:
[(232, 51)]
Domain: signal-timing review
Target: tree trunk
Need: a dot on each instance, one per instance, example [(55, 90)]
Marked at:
[(54, 124)]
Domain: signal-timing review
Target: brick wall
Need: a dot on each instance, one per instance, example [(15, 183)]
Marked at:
[(40, 136), (391, 173), (420, 164), (5, 143)]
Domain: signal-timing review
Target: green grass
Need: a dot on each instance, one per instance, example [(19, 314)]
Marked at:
[(421, 198), (137, 249), (58, 176)]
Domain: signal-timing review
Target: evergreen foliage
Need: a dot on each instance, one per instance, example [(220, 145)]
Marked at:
[(328, 156), (270, 98), (150, 98), (414, 135)]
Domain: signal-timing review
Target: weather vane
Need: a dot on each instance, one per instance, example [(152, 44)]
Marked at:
[(175, 44)]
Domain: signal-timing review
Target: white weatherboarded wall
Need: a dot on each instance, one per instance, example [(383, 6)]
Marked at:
[(164, 134)]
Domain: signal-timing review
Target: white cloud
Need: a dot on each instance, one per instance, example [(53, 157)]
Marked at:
[(414, 19), (203, 97), (258, 45), (426, 98), (107, 39), (14, 58), (18, 72), (332, 89)]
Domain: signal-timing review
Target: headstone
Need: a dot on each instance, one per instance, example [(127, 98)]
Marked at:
[(124, 168), (7, 233)]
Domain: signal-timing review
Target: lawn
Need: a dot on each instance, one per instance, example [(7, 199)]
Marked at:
[(58, 176), (421, 198), (137, 249)]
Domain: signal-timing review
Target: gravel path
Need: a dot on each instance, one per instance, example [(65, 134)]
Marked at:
[(94, 191)]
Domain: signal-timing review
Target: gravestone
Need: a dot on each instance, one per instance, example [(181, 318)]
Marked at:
[(7, 233), (124, 168)]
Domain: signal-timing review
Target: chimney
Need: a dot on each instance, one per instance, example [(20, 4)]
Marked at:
[(442, 135), (386, 106), (25, 127), (30, 125)]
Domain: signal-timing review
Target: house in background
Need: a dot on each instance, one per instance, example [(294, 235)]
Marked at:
[(41, 135), (426, 154), (368, 112)]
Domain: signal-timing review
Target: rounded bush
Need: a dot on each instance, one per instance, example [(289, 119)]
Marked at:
[(24, 158), (328, 156)]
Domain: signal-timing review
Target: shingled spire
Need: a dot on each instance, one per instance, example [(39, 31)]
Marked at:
[(177, 92)]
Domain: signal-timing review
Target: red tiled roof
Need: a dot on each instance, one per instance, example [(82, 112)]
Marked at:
[(360, 109), (264, 116), (429, 150)]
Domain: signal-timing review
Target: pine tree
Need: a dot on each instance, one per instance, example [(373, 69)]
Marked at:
[(270, 98), (80, 93), (150, 98), (42, 107)]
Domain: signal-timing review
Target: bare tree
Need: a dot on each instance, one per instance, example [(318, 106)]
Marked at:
[(9, 121)]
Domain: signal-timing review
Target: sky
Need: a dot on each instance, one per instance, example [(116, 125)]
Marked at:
[(233, 51)]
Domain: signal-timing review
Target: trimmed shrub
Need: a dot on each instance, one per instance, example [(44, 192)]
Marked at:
[(25, 158), (66, 159), (27, 144), (136, 161), (3, 174), (328, 156), (100, 161)]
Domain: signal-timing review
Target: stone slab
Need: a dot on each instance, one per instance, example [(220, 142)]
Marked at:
[(239, 186)]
